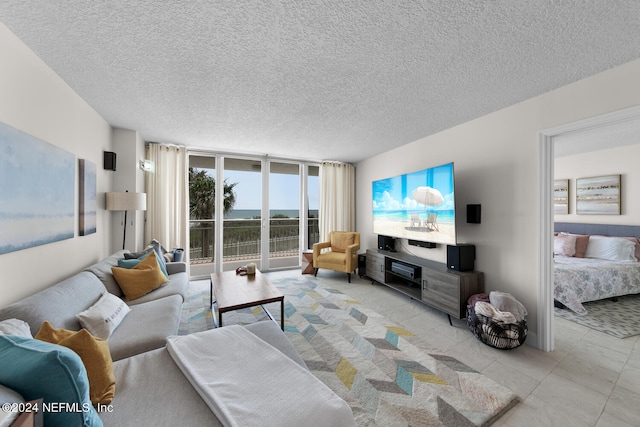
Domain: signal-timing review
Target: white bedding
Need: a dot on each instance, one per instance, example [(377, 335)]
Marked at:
[(578, 280), (247, 382)]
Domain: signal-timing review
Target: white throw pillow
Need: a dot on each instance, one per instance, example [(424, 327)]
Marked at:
[(15, 327), (610, 248), (103, 317)]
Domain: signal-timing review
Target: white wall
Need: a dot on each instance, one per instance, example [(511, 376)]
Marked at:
[(620, 160), (129, 149), (35, 100), (496, 165)]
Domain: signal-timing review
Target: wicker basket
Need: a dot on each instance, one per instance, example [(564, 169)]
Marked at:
[(503, 336)]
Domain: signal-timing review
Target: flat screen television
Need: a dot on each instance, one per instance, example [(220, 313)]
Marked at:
[(418, 205)]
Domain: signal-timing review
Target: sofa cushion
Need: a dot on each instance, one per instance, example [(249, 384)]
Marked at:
[(170, 399), (178, 285), (37, 369), (146, 327), (95, 356), (141, 279), (58, 304), (103, 317), (102, 270), (8, 395)]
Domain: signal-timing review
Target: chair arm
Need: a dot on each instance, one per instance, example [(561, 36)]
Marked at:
[(316, 250), (350, 252), (352, 248)]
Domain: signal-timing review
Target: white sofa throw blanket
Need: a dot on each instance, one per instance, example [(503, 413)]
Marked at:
[(248, 382)]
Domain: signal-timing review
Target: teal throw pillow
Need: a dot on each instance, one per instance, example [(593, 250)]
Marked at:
[(130, 263), (38, 369)]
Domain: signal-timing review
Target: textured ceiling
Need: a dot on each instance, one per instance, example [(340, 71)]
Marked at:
[(317, 79)]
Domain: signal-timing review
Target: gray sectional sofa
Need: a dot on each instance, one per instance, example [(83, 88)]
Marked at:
[(152, 318), (150, 388)]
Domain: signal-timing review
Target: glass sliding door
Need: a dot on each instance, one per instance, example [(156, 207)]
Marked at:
[(313, 205), (284, 215), (245, 209), (202, 224), (242, 212)]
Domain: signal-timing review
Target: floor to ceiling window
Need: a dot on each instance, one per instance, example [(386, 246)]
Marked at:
[(269, 210)]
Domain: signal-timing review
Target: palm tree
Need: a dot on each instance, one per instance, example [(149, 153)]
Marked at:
[(202, 200)]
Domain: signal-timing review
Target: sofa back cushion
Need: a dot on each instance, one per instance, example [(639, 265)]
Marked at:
[(341, 239), (58, 304), (102, 270)]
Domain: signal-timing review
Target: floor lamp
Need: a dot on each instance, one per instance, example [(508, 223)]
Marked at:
[(126, 202)]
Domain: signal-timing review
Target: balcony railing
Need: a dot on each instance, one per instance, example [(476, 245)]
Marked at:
[(242, 239)]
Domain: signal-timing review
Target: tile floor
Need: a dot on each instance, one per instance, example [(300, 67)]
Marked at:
[(590, 379)]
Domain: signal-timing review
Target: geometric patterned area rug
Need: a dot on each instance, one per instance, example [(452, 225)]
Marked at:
[(387, 375), (619, 318)]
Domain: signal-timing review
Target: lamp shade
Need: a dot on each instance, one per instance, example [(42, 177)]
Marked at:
[(116, 201)]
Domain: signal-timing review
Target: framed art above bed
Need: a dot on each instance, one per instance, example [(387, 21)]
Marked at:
[(598, 195)]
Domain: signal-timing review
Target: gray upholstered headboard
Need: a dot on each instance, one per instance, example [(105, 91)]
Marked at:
[(601, 229)]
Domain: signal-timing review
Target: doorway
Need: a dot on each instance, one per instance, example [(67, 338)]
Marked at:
[(547, 140)]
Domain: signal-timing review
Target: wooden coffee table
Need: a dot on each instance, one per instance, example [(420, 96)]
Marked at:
[(234, 292)]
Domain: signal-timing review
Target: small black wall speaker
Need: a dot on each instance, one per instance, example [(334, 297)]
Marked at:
[(461, 257), (473, 214), (386, 243), (110, 160)]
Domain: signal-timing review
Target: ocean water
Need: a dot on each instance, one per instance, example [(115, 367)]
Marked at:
[(255, 213)]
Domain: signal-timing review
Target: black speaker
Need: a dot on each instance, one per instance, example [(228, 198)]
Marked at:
[(461, 257), (421, 244), (386, 243), (473, 214), (110, 160), (362, 265)]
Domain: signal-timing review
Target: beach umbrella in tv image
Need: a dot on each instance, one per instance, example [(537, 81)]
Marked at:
[(427, 196)]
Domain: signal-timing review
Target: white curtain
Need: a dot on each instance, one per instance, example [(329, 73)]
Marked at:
[(337, 198), (167, 196)]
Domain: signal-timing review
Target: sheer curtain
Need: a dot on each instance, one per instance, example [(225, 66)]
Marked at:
[(337, 198), (167, 196)]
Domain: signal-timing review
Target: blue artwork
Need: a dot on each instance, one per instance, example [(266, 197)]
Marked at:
[(87, 212), (37, 191)]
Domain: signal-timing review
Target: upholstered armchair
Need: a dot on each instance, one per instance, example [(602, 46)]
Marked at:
[(343, 253)]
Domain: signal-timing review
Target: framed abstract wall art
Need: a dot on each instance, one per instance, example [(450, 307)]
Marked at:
[(599, 195), (561, 196), (37, 191), (87, 202)]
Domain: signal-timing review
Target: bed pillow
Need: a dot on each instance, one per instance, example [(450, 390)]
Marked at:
[(103, 317), (95, 356), (636, 242), (564, 245), (582, 240), (610, 248), (36, 369)]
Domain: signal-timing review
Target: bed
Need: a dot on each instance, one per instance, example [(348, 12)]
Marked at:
[(594, 262)]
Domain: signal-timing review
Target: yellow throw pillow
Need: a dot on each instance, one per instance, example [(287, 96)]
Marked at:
[(141, 279), (95, 356)]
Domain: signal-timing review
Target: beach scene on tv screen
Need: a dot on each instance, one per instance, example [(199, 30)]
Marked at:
[(418, 205)]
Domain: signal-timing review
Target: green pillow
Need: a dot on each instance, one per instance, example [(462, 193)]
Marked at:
[(130, 263), (38, 369)]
